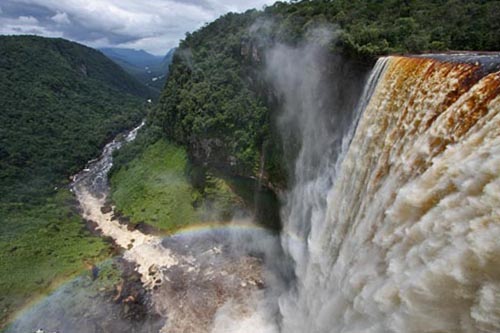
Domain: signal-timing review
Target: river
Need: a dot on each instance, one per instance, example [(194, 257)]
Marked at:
[(202, 279)]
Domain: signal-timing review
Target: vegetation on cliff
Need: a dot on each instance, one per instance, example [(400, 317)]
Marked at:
[(218, 106), (209, 104)]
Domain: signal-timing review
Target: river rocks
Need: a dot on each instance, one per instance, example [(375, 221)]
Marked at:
[(106, 209), (185, 280), (153, 269), (192, 297), (102, 305)]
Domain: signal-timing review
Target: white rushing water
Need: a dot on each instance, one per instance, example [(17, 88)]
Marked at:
[(401, 233)]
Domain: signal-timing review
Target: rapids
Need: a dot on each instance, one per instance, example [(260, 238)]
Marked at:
[(205, 278)]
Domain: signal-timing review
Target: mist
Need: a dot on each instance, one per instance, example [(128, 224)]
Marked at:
[(317, 94)]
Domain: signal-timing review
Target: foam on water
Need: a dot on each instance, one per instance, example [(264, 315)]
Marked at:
[(408, 238)]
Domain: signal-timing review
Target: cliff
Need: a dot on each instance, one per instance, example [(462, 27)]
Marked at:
[(218, 102)]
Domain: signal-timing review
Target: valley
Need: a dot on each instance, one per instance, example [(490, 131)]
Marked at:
[(309, 166)]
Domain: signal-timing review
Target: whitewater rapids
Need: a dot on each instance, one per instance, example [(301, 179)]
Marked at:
[(199, 282)]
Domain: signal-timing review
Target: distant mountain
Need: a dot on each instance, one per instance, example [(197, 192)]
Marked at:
[(149, 69), (167, 59), (136, 58), (60, 102)]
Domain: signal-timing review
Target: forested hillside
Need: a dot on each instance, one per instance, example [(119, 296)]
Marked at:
[(371, 28), (208, 103), (60, 102), (217, 104)]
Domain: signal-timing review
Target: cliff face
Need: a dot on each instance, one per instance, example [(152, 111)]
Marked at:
[(223, 107)]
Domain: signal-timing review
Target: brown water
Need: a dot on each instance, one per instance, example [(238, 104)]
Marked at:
[(409, 241)]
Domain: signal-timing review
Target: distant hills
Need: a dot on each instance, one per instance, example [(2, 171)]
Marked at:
[(149, 69), (137, 58)]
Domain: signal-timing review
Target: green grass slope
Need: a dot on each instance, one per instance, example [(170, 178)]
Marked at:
[(43, 246), (155, 187)]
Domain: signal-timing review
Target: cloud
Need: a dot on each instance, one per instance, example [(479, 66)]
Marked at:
[(25, 25), (155, 25), (27, 20), (61, 18)]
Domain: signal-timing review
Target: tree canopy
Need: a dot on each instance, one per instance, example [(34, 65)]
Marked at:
[(60, 103), (216, 104)]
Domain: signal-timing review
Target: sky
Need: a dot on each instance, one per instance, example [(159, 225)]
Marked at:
[(152, 25)]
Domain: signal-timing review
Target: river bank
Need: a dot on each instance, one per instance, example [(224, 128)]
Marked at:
[(188, 277)]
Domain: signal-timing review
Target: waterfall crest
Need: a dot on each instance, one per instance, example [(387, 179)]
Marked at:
[(408, 238)]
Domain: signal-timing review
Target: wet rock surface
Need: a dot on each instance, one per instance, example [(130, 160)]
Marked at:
[(91, 304), (210, 273), (488, 61)]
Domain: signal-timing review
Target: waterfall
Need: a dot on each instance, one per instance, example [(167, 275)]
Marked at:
[(399, 229)]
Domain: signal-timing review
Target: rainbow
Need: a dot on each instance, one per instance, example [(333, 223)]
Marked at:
[(200, 228), (189, 231)]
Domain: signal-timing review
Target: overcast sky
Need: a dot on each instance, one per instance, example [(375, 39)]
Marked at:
[(152, 25)]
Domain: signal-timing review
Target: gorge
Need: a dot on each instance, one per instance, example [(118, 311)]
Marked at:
[(391, 229), (313, 166)]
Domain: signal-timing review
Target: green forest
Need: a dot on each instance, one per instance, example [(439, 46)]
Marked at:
[(213, 126), (369, 28), (216, 104), (60, 103)]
